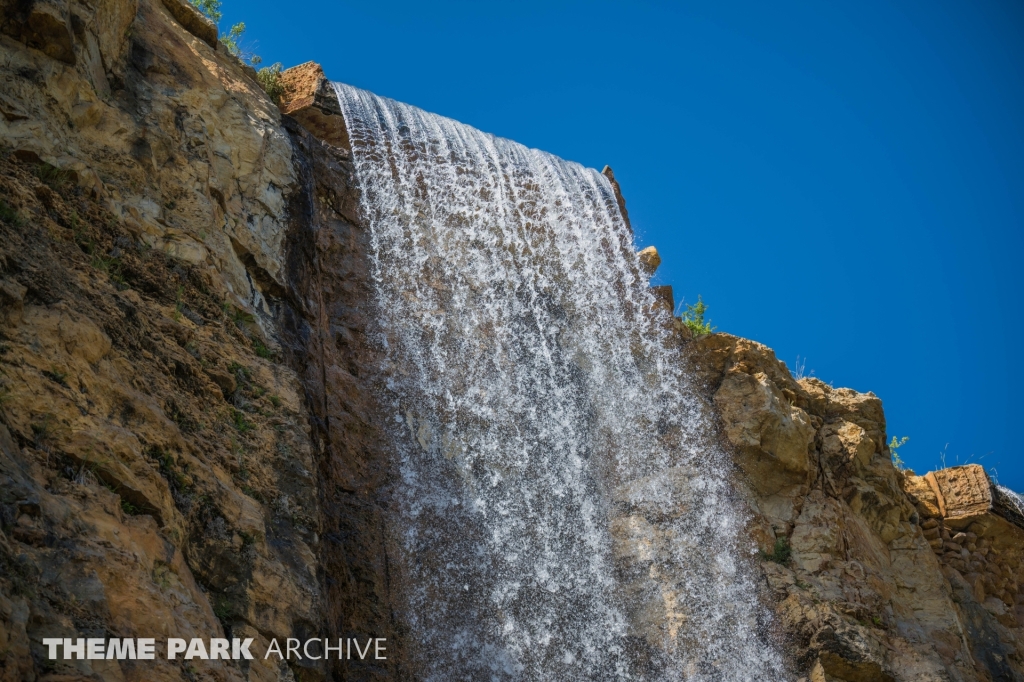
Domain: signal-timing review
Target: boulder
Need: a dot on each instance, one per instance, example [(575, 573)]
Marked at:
[(310, 99), (650, 259)]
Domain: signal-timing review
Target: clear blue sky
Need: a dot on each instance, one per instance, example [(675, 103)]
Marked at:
[(842, 181)]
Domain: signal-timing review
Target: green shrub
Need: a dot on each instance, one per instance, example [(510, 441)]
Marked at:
[(232, 38), (693, 318), (269, 78), (211, 8), (894, 445), (262, 350)]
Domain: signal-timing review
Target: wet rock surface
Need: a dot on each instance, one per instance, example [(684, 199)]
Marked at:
[(176, 392)]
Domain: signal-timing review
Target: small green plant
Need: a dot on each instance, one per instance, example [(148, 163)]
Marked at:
[(110, 265), (52, 176), (56, 376), (179, 304), (693, 318), (129, 508), (162, 574), (241, 423), (894, 445), (275, 401), (269, 78), (211, 8), (262, 350), (241, 372), (253, 493), (222, 609), (232, 38), (237, 315), (10, 216), (781, 552)]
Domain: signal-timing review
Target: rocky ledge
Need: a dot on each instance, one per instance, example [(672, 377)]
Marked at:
[(875, 573)]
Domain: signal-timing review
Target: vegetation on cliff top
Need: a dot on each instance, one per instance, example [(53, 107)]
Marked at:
[(269, 77), (693, 318), (232, 39)]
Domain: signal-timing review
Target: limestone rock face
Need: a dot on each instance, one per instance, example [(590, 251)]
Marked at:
[(164, 335), (978, 540), (759, 418), (876, 574), (194, 21)]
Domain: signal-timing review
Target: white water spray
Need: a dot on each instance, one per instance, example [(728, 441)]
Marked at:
[(560, 511)]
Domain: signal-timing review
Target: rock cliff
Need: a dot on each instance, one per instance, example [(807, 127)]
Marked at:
[(180, 398), (875, 573), (189, 442)]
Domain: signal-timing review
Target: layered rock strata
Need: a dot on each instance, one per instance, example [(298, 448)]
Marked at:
[(185, 446), (875, 573)]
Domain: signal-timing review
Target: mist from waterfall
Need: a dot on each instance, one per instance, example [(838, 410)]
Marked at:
[(561, 512)]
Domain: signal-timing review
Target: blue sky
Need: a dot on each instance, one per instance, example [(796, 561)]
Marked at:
[(842, 181)]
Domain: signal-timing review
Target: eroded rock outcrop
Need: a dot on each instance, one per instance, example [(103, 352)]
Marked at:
[(876, 574), (180, 405)]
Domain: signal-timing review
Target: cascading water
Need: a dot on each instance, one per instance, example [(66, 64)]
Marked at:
[(560, 513)]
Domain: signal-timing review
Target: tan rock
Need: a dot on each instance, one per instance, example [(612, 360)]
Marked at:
[(650, 259), (12, 297), (925, 499), (664, 301), (194, 21), (619, 199), (773, 436), (310, 99), (48, 28)]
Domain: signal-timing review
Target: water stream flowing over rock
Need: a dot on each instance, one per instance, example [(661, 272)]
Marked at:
[(562, 513)]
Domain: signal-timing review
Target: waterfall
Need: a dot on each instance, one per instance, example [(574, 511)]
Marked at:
[(560, 512)]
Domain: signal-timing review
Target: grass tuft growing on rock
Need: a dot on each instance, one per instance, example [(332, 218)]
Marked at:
[(781, 553), (10, 216), (52, 176), (241, 423), (262, 350)]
